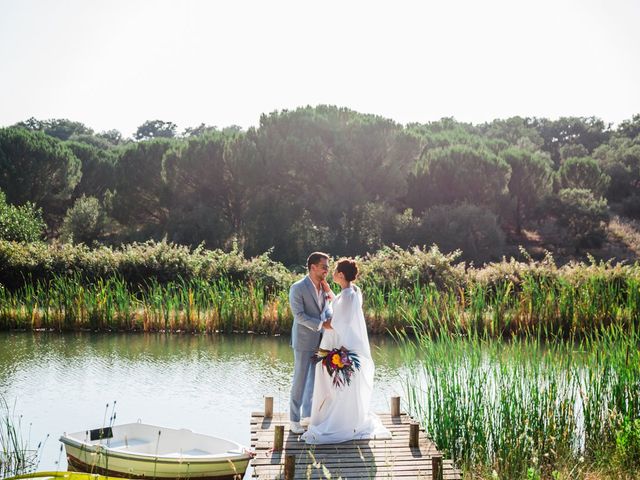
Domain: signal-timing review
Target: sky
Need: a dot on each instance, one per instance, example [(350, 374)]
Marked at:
[(113, 64)]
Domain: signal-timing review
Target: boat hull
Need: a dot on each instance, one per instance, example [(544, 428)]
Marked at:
[(147, 451), (123, 468)]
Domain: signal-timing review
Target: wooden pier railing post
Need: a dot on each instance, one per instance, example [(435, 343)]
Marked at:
[(436, 467), (395, 406), (278, 438), (414, 431), (289, 467), (268, 407)]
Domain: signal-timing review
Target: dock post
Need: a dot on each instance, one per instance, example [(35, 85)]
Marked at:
[(278, 438), (414, 430), (395, 406), (289, 467), (436, 467), (268, 407)]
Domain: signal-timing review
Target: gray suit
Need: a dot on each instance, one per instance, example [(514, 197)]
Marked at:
[(305, 339)]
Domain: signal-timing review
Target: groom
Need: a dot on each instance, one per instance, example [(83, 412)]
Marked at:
[(307, 301)]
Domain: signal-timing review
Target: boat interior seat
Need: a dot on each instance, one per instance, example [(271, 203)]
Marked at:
[(130, 442), (194, 452)]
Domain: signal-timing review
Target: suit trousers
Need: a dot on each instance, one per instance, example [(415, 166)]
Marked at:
[(304, 372)]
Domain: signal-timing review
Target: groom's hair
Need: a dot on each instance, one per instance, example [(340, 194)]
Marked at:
[(315, 258)]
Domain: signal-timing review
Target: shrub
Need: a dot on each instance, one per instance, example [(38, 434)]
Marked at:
[(20, 223), (513, 271), (396, 267), (136, 263), (84, 222), (627, 451), (631, 206), (584, 216)]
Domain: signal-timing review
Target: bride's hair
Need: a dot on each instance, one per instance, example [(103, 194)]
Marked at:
[(348, 267)]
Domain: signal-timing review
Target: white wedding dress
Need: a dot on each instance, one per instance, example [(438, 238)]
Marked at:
[(339, 414)]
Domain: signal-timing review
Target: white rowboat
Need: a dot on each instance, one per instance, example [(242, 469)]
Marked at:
[(138, 450)]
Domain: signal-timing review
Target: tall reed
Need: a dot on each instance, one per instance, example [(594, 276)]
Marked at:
[(511, 408), (16, 457), (196, 305), (165, 287)]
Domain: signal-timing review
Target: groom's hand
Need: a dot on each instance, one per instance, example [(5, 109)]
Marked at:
[(327, 324)]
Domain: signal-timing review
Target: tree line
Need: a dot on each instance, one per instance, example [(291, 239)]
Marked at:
[(319, 178)]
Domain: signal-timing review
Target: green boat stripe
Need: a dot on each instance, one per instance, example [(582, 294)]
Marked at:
[(147, 459)]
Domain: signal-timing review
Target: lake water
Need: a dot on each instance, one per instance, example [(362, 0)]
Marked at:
[(209, 384)]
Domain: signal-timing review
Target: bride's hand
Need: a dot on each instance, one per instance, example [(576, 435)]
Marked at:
[(327, 325), (326, 288)]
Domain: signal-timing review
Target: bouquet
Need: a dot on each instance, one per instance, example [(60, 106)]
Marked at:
[(340, 364)]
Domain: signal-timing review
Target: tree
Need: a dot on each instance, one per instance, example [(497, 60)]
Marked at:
[(37, 168), (60, 128), (575, 150), (84, 221), (326, 163), (199, 130), (198, 178), (584, 215), (530, 182), (459, 174), (620, 160), (403, 229), (142, 197), (155, 129), (470, 228), (362, 228), (513, 130), (445, 124), (93, 141), (98, 169), (630, 128), (457, 134), (583, 173), (22, 223), (114, 137), (590, 132)]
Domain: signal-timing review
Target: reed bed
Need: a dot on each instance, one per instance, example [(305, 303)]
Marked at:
[(16, 457), (547, 308), (197, 306), (164, 287), (526, 408)]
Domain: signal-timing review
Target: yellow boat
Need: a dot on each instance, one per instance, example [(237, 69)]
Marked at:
[(61, 476)]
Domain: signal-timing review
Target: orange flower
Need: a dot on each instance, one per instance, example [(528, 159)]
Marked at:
[(335, 359)]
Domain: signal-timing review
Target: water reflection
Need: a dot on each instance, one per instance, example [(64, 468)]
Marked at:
[(211, 384)]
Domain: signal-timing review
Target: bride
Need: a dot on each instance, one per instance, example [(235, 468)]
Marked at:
[(339, 414)]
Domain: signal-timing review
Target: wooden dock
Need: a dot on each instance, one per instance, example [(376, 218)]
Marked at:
[(409, 455)]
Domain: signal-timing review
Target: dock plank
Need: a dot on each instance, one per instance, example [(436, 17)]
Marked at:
[(370, 459)]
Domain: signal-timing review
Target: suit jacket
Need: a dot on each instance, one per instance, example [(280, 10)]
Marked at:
[(305, 334)]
